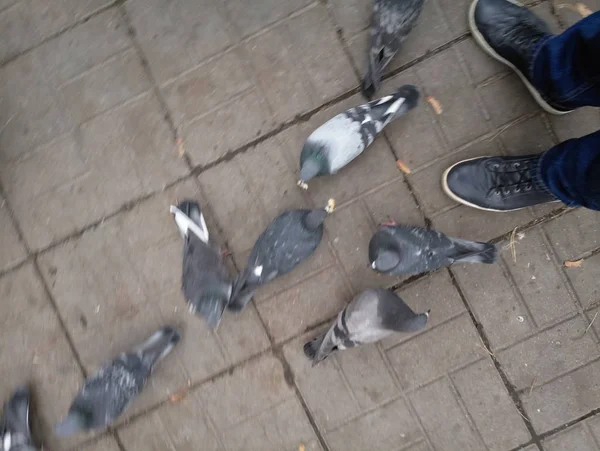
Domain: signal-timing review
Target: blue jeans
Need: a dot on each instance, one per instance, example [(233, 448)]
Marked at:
[(566, 70)]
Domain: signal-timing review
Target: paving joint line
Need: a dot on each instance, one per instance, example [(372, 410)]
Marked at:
[(512, 392), (60, 32)]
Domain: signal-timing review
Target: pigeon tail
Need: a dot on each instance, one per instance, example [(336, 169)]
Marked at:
[(242, 292), (390, 107), (211, 308), (188, 217), (71, 424), (475, 252), (158, 345), (375, 66)]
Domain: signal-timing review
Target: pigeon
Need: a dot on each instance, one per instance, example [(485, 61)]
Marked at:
[(371, 316), (15, 430), (391, 23), (289, 240), (205, 280), (106, 394), (397, 249), (344, 137)]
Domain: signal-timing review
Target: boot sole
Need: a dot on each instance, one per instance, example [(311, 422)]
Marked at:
[(490, 51), (460, 200)]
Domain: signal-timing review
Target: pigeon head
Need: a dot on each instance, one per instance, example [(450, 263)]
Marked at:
[(313, 162), (76, 421), (384, 253), (314, 218), (418, 322)]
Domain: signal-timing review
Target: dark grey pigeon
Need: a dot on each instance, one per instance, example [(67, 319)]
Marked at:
[(106, 394), (371, 316), (205, 280), (15, 430), (391, 23), (289, 240), (397, 249), (344, 137)]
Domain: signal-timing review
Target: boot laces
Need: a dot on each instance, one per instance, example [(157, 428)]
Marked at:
[(510, 178)]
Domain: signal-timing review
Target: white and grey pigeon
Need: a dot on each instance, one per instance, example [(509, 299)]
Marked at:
[(107, 394), (371, 316), (15, 430), (289, 240), (344, 137), (391, 23), (397, 249), (205, 280)]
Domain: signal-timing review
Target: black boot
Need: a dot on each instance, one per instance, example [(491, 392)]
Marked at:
[(509, 33), (497, 183)]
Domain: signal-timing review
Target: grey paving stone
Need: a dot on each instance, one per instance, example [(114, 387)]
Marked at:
[(299, 64), (443, 417), (104, 444), (417, 137), (574, 233), (495, 304), (352, 16), (456, 15), (34, 109), (507, 99), (389, 427), (490, 406), (304, 305), (528, 137), (176, 36), (563, 399), (283, 427), (569, 15), (576, 437), (350, 230), (396, 202), (434, 292), (427, 182), (585, 281), (13, 250), (593, 424), (36, 353), (544, 12), (462, 119), (27, 23), (549, 354), (576, 124), (538, 280), (469, 223), (181, 425), (435, 352), (256, 386), (324, 388), (249, 18), (480, 65)]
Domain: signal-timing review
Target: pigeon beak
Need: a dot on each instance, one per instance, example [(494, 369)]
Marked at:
[(427, 313), (373, 265)]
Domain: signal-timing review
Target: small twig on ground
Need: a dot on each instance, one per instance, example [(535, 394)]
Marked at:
[(484, 347), (532, 384), (513, 249), (590, 324), (524, 417), (499, 132)]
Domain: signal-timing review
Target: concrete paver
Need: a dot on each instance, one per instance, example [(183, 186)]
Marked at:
[(92, 98)]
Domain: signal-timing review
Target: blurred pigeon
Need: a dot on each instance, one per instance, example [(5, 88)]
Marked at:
[(397, 249), (391, 23), (370, 317), (15, 431), (290, 239), (205, 279), (344, 137), (109, 392)]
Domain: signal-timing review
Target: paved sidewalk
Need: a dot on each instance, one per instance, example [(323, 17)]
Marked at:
[(95, 100)]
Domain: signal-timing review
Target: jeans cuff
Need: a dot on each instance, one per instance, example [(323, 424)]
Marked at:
[(537, 47), (537, 178)]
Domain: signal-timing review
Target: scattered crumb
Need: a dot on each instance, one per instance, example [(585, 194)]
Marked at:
[(580, 8), (301, 447), (97, 310), (520, 319), (573, 264), (520, 236), (302, 184), (180, 148), (180, 394), (437, 106), (330, 206), (403, 167)]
